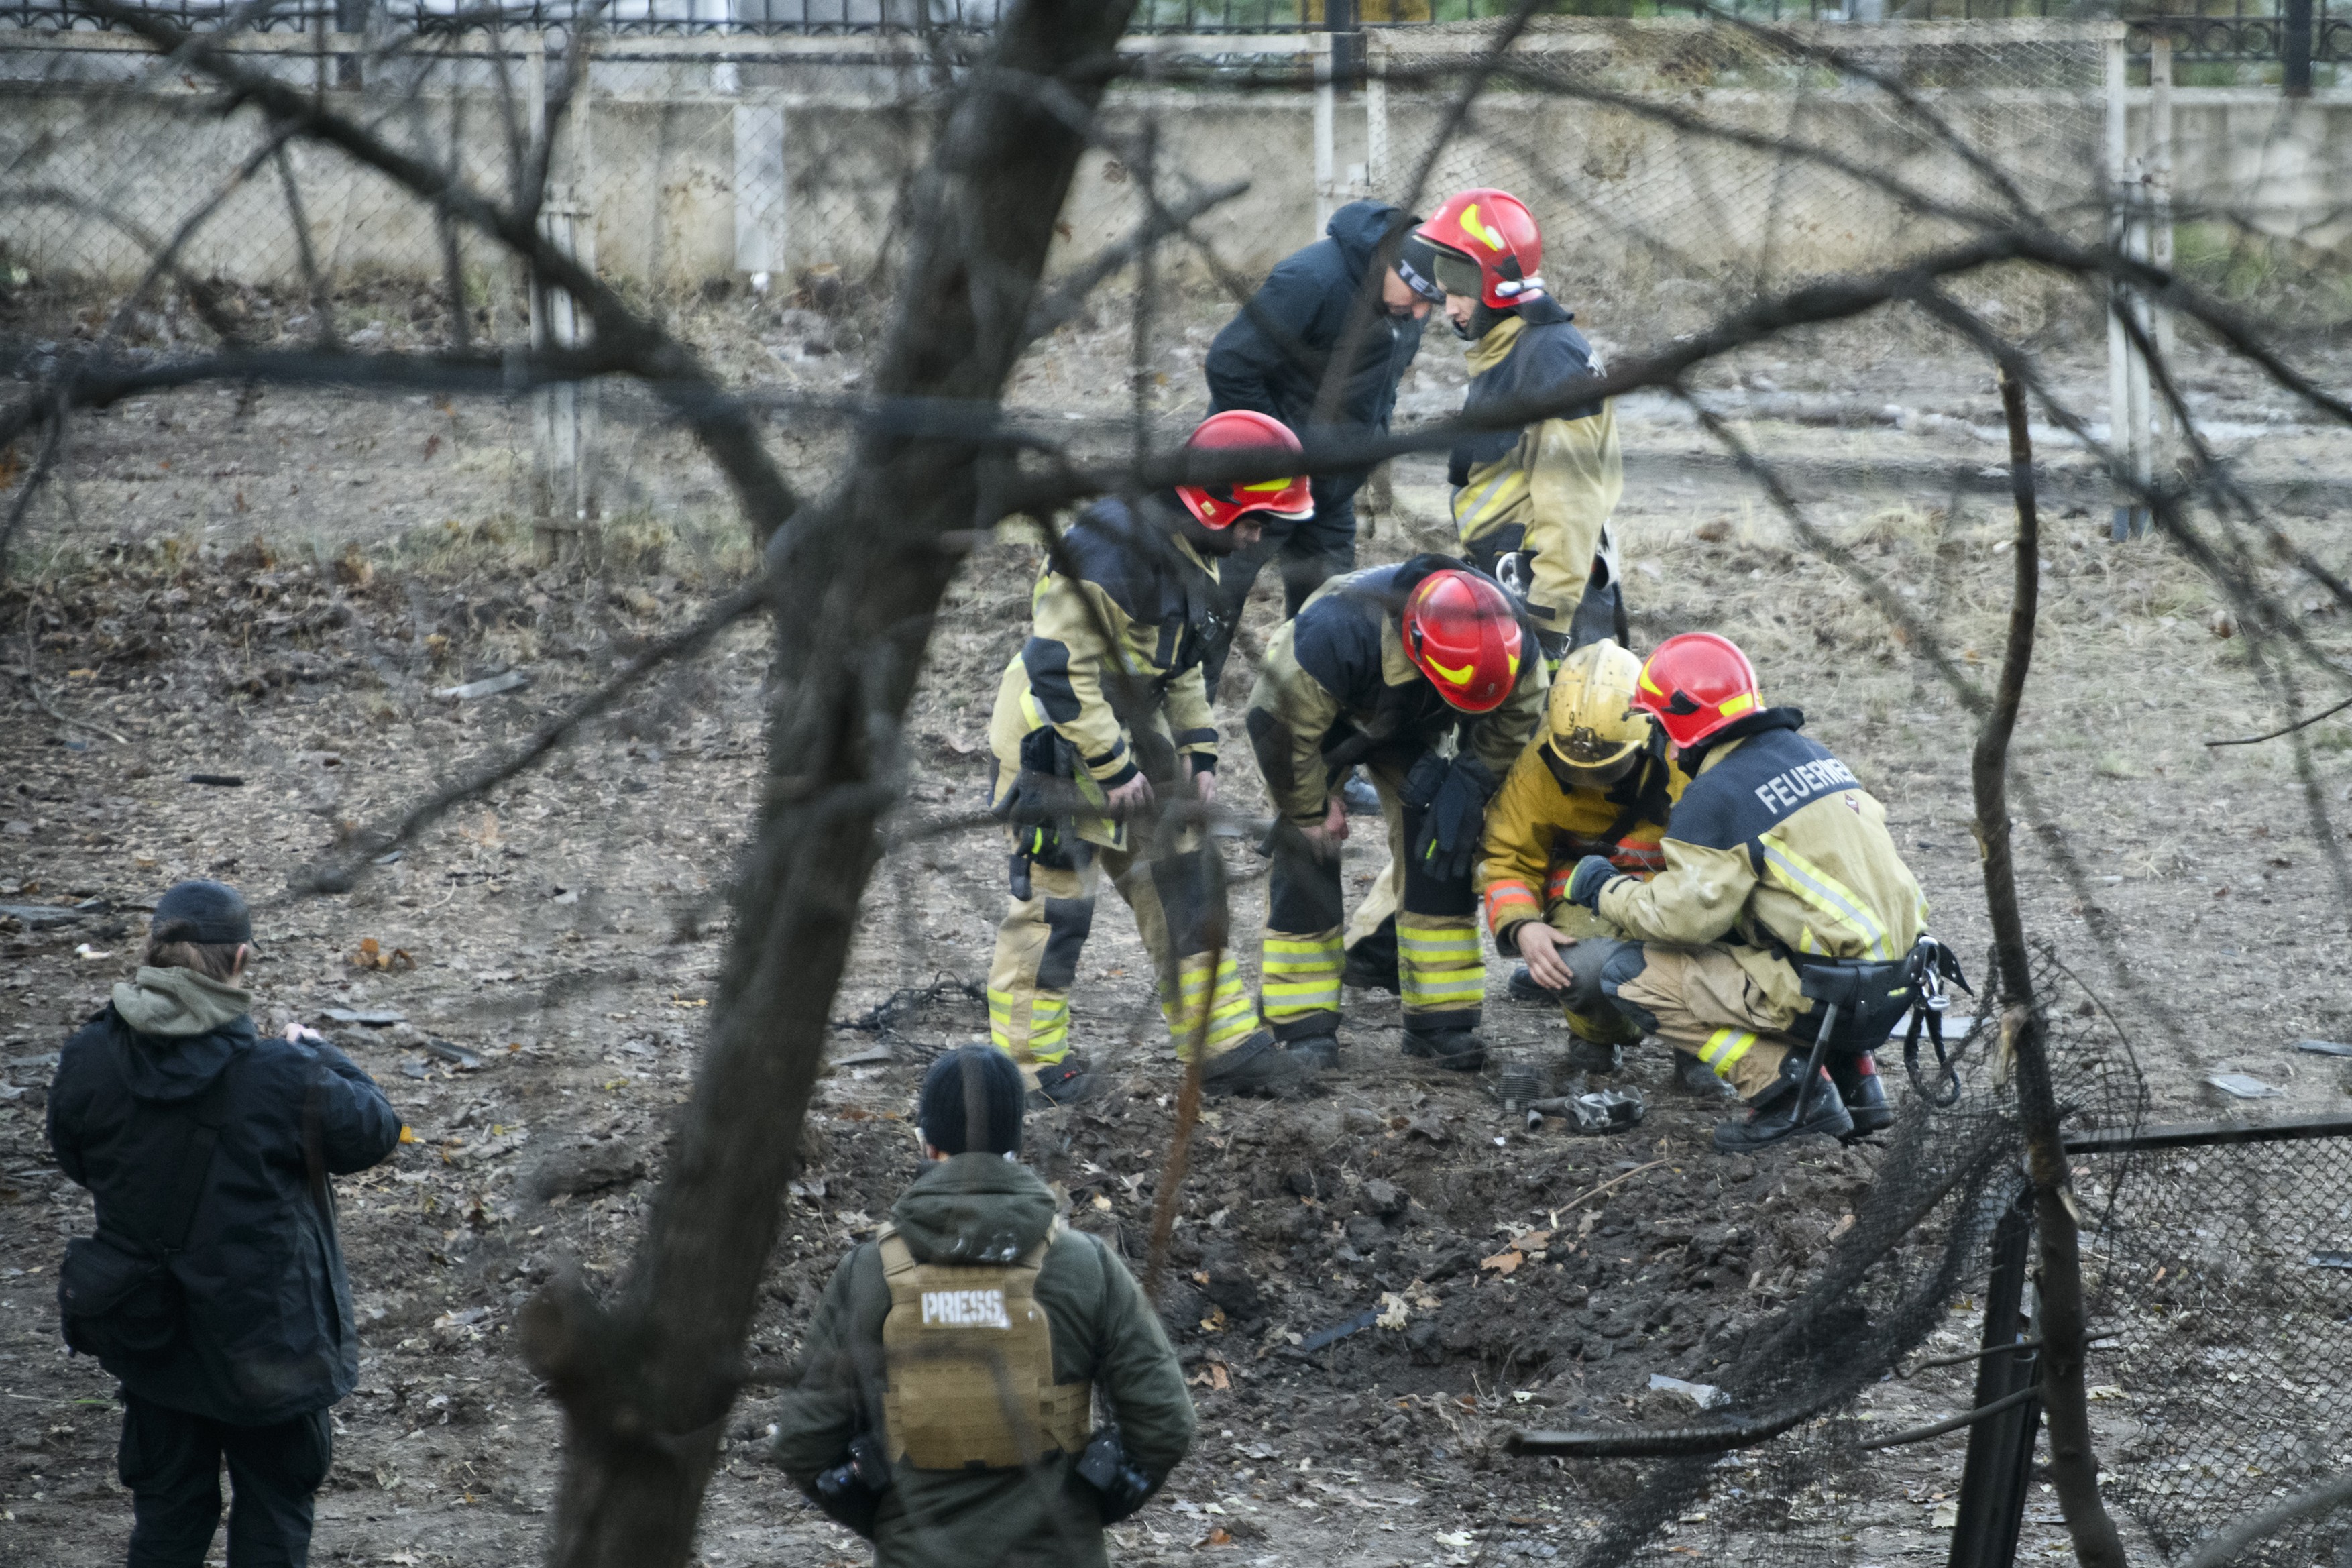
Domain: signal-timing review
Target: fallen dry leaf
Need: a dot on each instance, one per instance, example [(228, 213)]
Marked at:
[(1506, 1262)]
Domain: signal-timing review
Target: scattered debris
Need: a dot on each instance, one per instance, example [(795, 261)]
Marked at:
[(2323, 1047), (885, 1015), (1340, 1330), (453, 1052), (373, 1017), (1603, 1111), (490, 686), (2331, 1260), (40, 917), (218, 780), (870, 1055), (1705, 1396), (84, 950), (2242, 1087)]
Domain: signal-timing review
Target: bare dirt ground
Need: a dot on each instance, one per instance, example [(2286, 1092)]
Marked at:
[(275, 586)]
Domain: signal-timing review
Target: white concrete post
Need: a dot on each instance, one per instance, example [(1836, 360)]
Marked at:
[(1327, 131), (760, 188), (563, 417), (1376, 111), (2127, 372)]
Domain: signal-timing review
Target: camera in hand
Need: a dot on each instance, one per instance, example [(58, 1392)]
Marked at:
[(866, 1469), (1104, 1465)]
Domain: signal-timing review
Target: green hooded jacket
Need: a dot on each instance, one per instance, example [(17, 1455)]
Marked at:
[(970, 1207)]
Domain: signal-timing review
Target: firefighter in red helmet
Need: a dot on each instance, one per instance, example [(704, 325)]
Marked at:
[(1384, 667), (1781, 894), (1121, 617), (1531, 502)]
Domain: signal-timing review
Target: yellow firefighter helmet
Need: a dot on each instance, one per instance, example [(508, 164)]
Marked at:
[(1593, 734)]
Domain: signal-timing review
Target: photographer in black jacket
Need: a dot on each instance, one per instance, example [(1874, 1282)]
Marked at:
[(215, 1289)]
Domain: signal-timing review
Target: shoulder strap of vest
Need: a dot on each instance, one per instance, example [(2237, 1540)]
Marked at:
[(895, 1259)]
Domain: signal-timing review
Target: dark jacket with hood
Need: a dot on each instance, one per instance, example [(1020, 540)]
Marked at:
[(267, 1332), (970, 1207), (1274, 355)]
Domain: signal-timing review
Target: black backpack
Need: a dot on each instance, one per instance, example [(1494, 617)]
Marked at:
[(116, 1297)]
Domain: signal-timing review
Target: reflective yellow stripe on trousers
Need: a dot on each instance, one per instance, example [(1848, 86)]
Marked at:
[(1439, 965), (1034, 1028), (1231, 1016), (1299, 974), (1724, 1048)]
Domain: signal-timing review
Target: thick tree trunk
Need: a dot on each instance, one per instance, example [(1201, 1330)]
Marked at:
[(646, 1382), (2073, 1465)]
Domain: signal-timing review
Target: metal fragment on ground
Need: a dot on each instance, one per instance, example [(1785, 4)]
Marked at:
[(491, 685), (2242, 1086)]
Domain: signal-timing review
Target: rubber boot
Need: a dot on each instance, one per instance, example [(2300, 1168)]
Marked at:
[(1768, 1119), (1522, 987), (1323, 1050), (1371, 963), (1455, 1050), (1858, 1084), (1695, 1076), (1258, 1067), (1064, 1082)]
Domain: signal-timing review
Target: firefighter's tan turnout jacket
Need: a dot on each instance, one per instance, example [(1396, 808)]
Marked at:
[(1550, 486), (1776, 850), (1135, 578)]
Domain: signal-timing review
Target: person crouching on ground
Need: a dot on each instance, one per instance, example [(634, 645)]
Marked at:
[(215, 1287), (945, 1407)]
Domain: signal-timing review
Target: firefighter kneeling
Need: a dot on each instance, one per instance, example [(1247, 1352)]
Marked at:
[(1781, 900), (1595, 782), (945, 1407)]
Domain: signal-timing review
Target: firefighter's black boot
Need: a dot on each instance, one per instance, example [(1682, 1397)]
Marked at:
[(1859, 1085), (1772, 1116)]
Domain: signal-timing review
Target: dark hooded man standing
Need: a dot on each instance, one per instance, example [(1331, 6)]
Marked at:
[(215, 1287), (1358, 288)]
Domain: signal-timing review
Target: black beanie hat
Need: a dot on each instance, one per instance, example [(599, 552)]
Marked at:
[(972, 1103), (206, 912)]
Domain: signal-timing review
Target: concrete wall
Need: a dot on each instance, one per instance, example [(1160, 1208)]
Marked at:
[(694, 171)]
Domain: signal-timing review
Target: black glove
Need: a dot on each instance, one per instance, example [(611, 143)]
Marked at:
[(1421, 783), (1455, 825), (1584, 884)]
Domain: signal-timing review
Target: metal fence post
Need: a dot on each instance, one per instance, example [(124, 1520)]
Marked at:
[(2001, 1448), (2295, 47)]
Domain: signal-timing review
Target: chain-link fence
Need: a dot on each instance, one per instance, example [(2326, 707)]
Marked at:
[(2223, 1277), (1680, 156)]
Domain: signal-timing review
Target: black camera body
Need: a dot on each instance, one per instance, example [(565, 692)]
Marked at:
[(1120, 1488), (851, 1491)]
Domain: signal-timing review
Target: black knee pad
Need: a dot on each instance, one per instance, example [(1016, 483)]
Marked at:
[(1068, 921), (1620, 967)]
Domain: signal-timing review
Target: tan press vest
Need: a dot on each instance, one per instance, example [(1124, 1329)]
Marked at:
[(969, 1358)]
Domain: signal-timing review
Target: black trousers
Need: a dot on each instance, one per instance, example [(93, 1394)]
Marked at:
[(171, 1460)]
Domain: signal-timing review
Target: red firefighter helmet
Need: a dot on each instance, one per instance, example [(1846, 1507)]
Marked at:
[(1461, 631), (1698, 683), (1220, 506), (1494, 231)]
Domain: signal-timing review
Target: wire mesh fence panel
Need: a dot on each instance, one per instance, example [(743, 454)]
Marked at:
[(1809, 1478), (1682, 156), (2224, 1274)]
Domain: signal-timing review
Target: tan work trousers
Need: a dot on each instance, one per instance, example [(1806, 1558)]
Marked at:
[(1705, 1004)]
